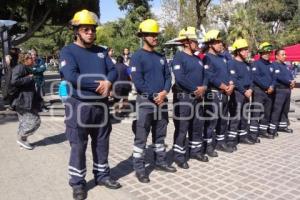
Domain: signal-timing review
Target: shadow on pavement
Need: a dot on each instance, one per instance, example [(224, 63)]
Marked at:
[(8, 118), (125, 167), (55, 139)]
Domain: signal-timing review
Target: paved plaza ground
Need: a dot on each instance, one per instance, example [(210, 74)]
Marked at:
[(269, 170)]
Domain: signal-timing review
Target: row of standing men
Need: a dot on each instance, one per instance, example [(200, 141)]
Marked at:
[(196, 82)]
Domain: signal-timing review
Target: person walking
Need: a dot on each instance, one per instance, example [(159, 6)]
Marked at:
[(27, 101)]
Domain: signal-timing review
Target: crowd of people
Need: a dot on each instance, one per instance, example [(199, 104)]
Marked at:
[(220, 100)]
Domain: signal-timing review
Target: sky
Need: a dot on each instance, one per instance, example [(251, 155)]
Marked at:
[(110, 11)]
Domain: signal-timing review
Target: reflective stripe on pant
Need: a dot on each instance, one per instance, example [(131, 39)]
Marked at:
[(266, 101), (281, 100), (187, 111), (284, 119), (78, 138), (154, 118), (216, 127), (238, 124)]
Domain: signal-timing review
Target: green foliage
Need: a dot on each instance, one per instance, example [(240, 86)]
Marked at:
[(33, 15), (51, 44), (122, 33)]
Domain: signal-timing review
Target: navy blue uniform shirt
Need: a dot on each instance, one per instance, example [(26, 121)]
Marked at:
[(241, 75), (83, 66), (263, 74), (283, 74), (150, 72), (188, 71), (216, 70)]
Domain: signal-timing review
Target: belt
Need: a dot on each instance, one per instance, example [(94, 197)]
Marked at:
[(102, 100), (257, 86), (281, 86), (147, 96)]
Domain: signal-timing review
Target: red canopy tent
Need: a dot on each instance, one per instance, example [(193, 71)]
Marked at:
[(292, 53)]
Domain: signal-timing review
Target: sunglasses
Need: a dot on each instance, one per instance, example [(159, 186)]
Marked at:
[(87, 29)]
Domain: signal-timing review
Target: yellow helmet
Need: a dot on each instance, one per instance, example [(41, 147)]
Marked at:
[(84, 17), (148, 26), (240, 44), (265, 47), (212, 35), (187, 33)]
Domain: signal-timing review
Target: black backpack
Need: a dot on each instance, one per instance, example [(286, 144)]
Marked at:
[(9, 92)]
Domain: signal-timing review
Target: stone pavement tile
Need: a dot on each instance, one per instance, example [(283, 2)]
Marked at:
[(269, 170)]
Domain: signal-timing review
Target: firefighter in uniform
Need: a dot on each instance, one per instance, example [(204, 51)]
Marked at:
[(188, 91), (264, 82), (284, 84), (220, 87), (152, 79), (241, 75), (90, 73)]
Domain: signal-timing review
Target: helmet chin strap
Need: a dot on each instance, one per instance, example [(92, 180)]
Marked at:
[(214, 49), (83, 41), (240, 55), (148, 43)]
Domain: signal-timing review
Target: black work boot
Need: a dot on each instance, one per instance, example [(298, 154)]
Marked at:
[(210, 150), (142, 177), (182, 165), (223, 147), (254, 138), (109, 183), (285, 130), (165, 168), (79, 193), (200, 157), (232, 144), (267, 135), (246, 140)]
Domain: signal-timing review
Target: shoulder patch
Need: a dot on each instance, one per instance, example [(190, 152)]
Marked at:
[(277, 71), (133, 69), (254, 69), (162, 61), (206, 66), (63, 63), (232, 72), (100, 55), (176, 67), (225, 61)]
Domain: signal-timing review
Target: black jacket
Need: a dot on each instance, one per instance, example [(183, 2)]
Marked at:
[(27, 98)]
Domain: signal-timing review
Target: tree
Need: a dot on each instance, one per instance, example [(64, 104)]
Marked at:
[(122, 33), (275, 12), (33, 15), (184, 12)]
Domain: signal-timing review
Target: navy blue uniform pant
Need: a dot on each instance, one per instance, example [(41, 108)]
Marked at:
[(280, 108), (188, 118), (83, 120), (238, 124), (150, 117), (260, 121), (216, 113)]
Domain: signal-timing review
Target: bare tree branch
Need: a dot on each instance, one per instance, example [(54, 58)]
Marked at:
[(32, 13), (32, 30), (48, 34)]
